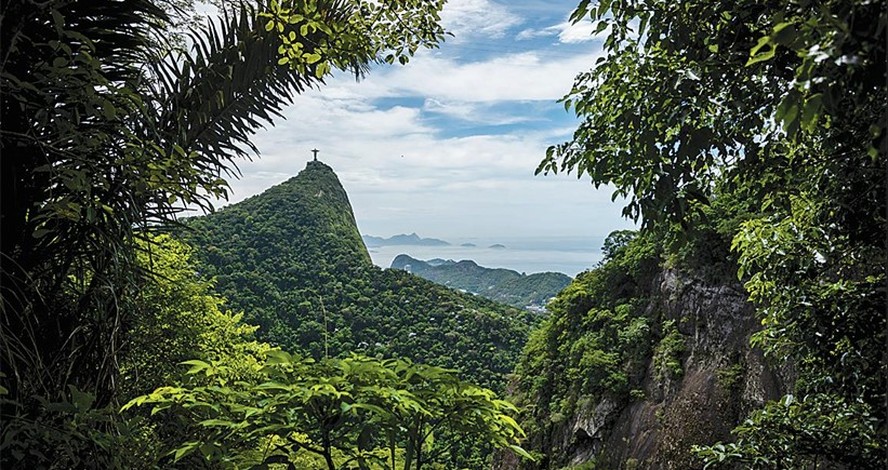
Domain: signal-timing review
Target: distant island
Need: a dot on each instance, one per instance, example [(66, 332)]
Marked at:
[(497, 247), (402, 239), (510, 287), (469, 245)]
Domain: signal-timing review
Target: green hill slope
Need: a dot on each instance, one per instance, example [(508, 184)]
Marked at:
[(292, 259), (502, 285)]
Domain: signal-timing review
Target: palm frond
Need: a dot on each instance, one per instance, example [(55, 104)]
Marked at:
[(210, 100)]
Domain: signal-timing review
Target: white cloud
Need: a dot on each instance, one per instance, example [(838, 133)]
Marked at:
[(467, 19), (478, 113), (531, 33), (567, 32), (459, 110), (402, 176), (405, 171), (582, 31), (524, 76)]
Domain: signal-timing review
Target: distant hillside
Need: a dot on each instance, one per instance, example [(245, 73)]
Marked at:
[(292, 259), (397, 240), (502, 285)]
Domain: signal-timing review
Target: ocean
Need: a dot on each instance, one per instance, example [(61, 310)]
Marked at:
[(568, 255)]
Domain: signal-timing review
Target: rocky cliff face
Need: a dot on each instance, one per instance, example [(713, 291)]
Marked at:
[(723, 379), (716, 380)]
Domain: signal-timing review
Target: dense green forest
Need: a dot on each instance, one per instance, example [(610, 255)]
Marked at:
[(502, 285), (117, 352), (750, 140), (596, 343), (292, 259), (743, 326)]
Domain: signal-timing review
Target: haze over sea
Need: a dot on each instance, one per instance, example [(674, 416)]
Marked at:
[(568, 255)]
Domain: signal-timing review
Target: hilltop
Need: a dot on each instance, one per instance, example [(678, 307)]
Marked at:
[(502, 285), (292, 259)]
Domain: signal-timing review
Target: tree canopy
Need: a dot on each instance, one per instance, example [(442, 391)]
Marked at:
[(764, 122), (698, 92), (349, 412), (109, 132)]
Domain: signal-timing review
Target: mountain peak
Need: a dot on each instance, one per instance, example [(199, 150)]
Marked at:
[(318, 165), (308, 217), (292, 260)]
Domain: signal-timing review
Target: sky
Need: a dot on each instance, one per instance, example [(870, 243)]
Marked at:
[(447, 145)]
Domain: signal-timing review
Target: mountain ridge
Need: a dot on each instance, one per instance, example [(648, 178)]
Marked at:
[(403, 239), (499, 284)]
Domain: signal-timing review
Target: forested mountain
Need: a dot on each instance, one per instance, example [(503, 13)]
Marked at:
[(502, 285), (292, 259)]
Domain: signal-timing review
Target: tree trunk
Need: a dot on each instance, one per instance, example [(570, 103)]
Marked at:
[(329, 459), (328, 455)]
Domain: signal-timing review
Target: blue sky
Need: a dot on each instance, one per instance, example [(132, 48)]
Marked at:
[(446, 146)]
